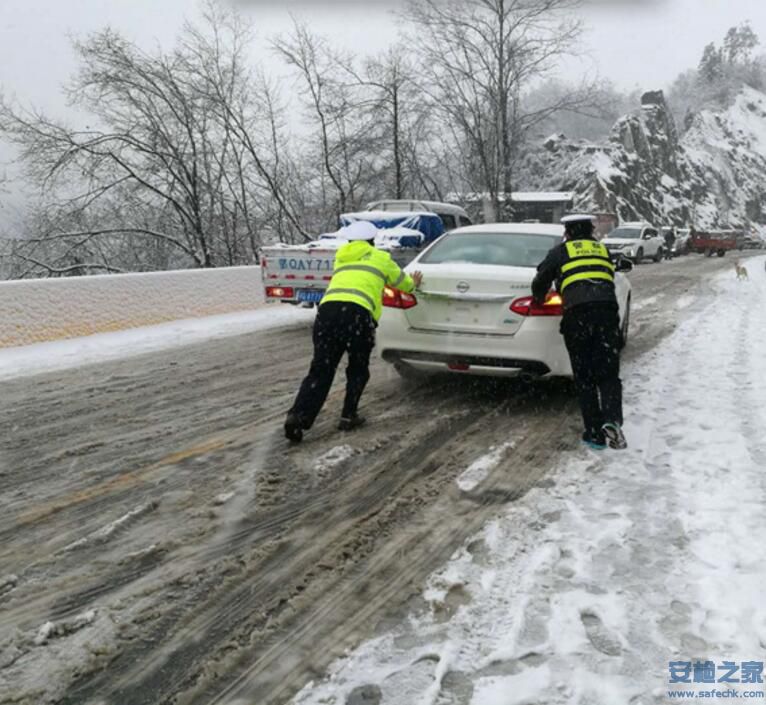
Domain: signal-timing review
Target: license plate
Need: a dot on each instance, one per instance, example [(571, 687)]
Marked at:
[(311, 295)]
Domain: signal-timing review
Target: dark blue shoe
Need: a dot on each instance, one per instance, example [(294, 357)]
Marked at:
[(594, 442)]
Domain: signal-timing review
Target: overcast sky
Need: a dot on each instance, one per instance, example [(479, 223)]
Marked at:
[(642, 43), (635, 43)]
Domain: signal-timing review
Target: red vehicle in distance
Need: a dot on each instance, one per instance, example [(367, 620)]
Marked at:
[(713, 241)]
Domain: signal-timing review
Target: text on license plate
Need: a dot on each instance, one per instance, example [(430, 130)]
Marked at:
[(310, 295)]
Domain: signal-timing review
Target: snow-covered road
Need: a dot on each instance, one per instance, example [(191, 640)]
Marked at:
[(162, 543), (583, 592)]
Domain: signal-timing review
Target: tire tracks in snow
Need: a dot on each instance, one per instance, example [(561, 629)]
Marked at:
[(253, 595)]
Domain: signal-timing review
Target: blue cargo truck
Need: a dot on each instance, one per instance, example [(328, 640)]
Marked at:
[(300, 273)]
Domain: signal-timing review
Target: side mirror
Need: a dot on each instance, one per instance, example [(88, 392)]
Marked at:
[(623, 265), (646, 236)]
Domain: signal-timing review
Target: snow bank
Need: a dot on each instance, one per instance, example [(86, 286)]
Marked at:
[(38, 310), (101, 347)]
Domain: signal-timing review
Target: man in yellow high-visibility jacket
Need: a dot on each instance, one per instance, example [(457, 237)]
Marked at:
[(584, 274), (345, 323)]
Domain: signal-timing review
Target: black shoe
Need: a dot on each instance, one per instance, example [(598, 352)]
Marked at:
[(614, 436), (293, 428), (349, 423)]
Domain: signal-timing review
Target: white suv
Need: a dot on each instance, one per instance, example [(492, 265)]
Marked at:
[(635, 241)]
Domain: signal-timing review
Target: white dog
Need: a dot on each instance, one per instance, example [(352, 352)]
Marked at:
[(741, 271)]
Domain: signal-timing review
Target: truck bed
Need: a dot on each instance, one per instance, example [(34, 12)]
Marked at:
[(301, 274), (713, 242), (296, 274)]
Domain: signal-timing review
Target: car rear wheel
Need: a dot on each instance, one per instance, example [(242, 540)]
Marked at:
[(721, 253)]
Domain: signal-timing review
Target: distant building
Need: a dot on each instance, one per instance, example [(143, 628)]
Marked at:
[(541, 206)]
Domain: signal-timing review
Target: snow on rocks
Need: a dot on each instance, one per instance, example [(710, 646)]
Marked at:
[(709, 177), (581, 593)]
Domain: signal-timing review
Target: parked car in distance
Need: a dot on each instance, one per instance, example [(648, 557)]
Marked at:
[(752, 242), (636, 241), (683, 241)]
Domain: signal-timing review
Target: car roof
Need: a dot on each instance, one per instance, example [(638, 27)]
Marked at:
[(410, 203), (512, 229), (636, 224)]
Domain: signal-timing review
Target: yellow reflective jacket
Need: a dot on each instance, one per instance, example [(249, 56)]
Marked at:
[(360, 274), (588, 260)]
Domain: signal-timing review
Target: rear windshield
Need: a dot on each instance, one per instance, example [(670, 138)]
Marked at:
[(627, 233), (448, 220), (505, 249)]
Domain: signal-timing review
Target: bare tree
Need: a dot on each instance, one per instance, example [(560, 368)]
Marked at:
[(334, 112), (479, 57), (396, 113), (249, 112), (183, 150)]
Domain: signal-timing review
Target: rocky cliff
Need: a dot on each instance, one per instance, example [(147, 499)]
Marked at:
[(714, 175)]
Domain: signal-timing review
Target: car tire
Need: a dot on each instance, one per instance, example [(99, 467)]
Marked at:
[(408, 372), (639, 255), (625, 327), (721, 253), (658, 254)]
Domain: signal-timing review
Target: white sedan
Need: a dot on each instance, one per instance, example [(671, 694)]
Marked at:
[(474, 312)]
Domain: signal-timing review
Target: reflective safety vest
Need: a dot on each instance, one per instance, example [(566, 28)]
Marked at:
[(360, 274), (587, 260)]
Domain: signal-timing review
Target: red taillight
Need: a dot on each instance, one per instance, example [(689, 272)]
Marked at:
[(458, 366), (526, 306), (394, 298), (279, 292)]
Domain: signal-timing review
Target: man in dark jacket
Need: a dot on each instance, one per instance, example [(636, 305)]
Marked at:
[(670, 242), (584, 276)]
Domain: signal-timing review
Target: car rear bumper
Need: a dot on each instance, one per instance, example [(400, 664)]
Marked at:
[(536, 348)]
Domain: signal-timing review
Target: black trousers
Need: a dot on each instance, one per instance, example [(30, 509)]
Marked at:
[(340, 327), (593, 339)]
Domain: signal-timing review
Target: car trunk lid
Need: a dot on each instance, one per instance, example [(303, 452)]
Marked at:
[(460, 298)]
